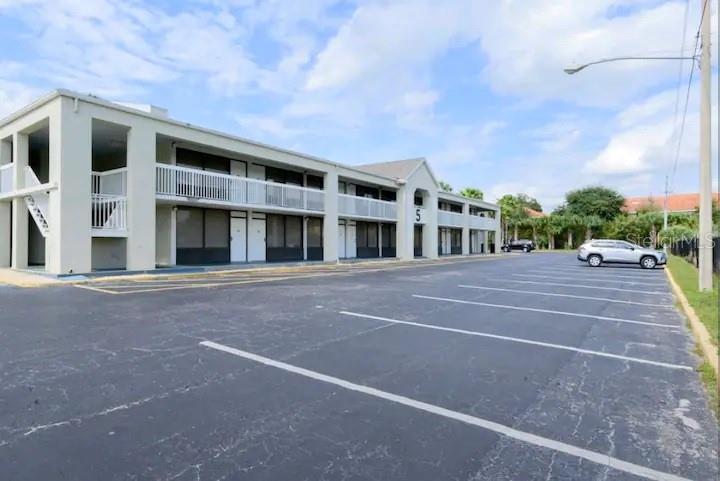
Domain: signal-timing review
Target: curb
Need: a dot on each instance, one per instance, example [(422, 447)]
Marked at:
[(702, 336)]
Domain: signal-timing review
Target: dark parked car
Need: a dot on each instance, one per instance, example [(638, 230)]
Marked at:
[(524, 245)]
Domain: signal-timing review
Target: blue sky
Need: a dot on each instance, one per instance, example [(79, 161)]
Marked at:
[(475, 86)]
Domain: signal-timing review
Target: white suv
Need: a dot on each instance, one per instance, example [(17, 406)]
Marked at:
[(598, 251)]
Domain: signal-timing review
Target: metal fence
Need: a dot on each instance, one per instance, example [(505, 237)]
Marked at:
[(689, 250)]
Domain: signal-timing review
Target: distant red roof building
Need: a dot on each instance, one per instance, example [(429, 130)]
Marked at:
[(676, 203), (534, 213)]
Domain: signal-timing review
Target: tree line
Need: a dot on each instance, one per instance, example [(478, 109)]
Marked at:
[(593, 212)]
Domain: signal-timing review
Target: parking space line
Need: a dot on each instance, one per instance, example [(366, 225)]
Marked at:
[(603, 276), (603, 459), (585, 286), (555, 294), (541, 276), (96, 289), (522, 341), (547, 311)]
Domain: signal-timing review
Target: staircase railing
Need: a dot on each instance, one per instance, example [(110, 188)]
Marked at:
[(37, 202)]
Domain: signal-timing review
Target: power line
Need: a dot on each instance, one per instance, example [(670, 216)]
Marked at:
[(687, 96)]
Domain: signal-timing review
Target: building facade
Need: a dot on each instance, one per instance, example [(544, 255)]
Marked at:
[(88, 185)]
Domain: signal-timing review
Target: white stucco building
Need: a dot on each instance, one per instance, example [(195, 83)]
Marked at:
[(87, 184)]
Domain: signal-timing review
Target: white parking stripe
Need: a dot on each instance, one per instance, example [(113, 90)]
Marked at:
[(602, 459), (522, 341), (542, 276), (554, 294), (585, 286), (591, 274), (547, 311)]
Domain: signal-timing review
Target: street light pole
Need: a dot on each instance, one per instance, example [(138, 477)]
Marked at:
[(705, 240), (665, 211)]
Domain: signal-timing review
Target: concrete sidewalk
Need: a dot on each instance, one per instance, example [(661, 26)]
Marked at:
[(27, 279)]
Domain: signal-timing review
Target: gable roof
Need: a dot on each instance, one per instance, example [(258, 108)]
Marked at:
[(676, 202), (398, 169)]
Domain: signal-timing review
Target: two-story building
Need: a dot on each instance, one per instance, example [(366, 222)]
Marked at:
[(87, 185)]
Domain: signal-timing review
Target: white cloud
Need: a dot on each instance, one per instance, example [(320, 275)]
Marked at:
[(15, 95), (646, 137), (528, 47)]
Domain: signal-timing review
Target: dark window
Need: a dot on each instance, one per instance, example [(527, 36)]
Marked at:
[(315, 239), (342, 187), (456, 241), (314, 181), (203, 235), (314, 232), (217, 227), (284, 236), (275, 231), (418, 200), (389, 195), (456, 208), (417, 240), (364, 191), (189, 228), (201, 160), (293, 232), (389, 234), (283, 176), (366, 234)]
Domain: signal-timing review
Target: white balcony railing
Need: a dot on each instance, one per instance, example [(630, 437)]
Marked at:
[(109, 203), (7, 172), (482, 223), (450, 219), (363, 207), (109, 213), (175, 181)]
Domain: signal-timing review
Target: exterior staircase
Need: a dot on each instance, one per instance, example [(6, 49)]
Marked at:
[(37, 203)]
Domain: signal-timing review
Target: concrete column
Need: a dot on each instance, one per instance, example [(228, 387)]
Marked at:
[(466, 230), (379, 239), (330, 222), (406, 223), (430, 229), (141, 152), (68, 245), (5, 209), (498, 232), (486, 241), (304, 234), (165, 235), (19, 254)]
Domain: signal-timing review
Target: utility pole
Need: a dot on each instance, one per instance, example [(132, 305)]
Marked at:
[(705, 262), (665, 211)]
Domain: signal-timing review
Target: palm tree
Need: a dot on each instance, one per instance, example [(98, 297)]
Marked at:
[(472, 193), (570, 222), (553, 226), (591, 222), (537, 224)]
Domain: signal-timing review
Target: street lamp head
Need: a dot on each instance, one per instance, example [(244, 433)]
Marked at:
[(571, 71)]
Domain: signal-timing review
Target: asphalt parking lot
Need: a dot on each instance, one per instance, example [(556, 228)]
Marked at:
[(526, 367)]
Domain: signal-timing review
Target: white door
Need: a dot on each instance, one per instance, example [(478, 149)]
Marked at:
[(238, 239), (341, 240), (256, 238)]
